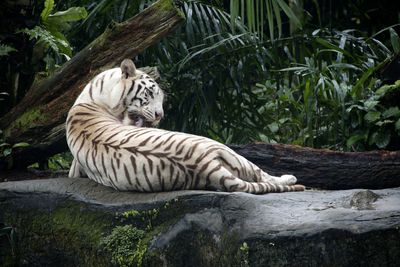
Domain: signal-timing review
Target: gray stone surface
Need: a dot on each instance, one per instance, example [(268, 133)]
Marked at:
[(312, 228)]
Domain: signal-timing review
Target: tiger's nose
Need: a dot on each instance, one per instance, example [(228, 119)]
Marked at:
[(159, 115)]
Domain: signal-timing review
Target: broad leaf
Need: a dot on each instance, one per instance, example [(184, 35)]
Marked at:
[(391, 112), (388, 88), (372, 116), (71, 14), (382, 139), (48, 7), (7, 152), (397, 125), (370, 104), (395, 40), (22, 144), (273, 127), (354, 139)]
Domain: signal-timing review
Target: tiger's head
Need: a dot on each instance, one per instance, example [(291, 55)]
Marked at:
[(143, 102)]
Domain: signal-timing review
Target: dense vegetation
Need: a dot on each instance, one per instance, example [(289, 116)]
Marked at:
[(313, 73)]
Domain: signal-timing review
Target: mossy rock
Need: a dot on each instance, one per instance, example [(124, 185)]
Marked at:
[(76, 222)]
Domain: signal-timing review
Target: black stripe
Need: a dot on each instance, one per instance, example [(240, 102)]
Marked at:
[(133, 161), (127, 175), (90, 90), (101, 84), (160, 180), (114, 171), (131, 88), (216, 168), (175, 181), (147, 178), (150, 165), (104, 166)]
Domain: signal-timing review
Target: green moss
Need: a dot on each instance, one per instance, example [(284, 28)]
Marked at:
[(79, 234), (25, 121), (244, 254), (130, 214), (128, 244), (169, 5), (125, 246), (89, 224), (69, 233)]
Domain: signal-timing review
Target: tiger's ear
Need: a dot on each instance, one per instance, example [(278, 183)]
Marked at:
[(128, 68)]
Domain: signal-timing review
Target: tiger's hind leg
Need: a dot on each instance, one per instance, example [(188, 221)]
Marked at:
[(234, 184), (286, 179), (226, 181), (246, 170), (76, 171)]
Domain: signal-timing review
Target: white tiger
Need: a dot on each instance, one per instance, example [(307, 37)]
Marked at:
[(108, 135)]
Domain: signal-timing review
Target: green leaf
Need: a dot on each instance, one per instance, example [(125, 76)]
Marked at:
[(358, 107), (357, 89), (344, 66), (273, 127), (7, 152), (294, 69), (395, 40), (270, 19), (354, 139), (22, 144), (372, 116), (62, 43), (5, 230), (288, 11), (382, 139), (391, 112), (277, 12), (370, 104), (48, 7), (71, 14), (381, 123), (332, 46), (6, 49), (387, 88), (397, 125)]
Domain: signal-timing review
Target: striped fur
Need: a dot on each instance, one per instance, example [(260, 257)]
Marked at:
[(118, 154)]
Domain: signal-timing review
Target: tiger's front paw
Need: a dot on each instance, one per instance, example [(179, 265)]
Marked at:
[(288, 179)]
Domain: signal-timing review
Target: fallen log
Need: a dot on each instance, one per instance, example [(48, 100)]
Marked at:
[(326, 169), (38, 118)]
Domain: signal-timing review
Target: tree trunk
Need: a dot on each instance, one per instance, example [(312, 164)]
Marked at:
[(326, 169), (38, 119)]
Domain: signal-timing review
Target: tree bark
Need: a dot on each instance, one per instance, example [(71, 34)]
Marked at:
[(39, 117), (326, 169)]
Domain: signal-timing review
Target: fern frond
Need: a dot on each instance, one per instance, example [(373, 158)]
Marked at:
[(42, 35), (6, 49)]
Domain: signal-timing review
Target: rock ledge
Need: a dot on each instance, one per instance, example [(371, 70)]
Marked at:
[(71, 221)]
